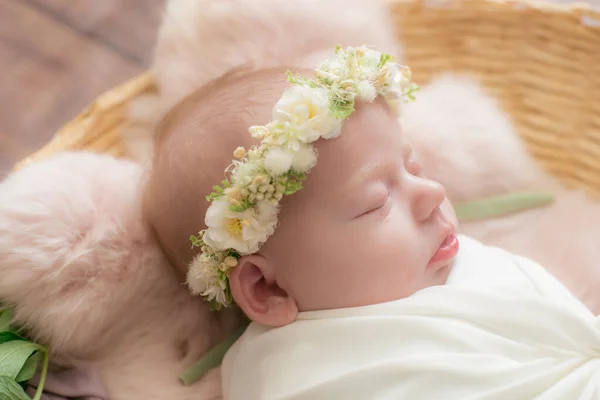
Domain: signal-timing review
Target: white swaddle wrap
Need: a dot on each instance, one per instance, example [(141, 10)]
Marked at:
[(501, 328)]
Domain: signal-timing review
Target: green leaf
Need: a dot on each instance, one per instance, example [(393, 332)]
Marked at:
[(10, 390), (14, 355), (243, 206), (410, 92), (498, 206), (195, 241), (233, 253), (5, 319), (211, 359), (383, 59), (10, 336), (28, 370)]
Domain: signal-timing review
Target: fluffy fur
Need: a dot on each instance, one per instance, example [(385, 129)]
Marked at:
[(89, 280), (199, 40)]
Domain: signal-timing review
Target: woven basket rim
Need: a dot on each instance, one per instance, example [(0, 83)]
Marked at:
[(75, 129), (541, 5)]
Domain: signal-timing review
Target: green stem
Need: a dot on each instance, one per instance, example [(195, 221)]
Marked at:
[(502, 205), (211, 359), (40, 388)]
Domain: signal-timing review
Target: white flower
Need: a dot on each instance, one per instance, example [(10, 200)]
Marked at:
[(332, 134), (397, 79), (278, 161), (332, 69), (302, 115), (366, 91), (216, 291), (368, 62), (202, 268), (242, 231), (305, 158), (268, 213), (245, 170)]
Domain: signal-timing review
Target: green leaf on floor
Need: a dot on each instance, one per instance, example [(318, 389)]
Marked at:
[(11, 390), (14, 355), (6, 315), (10, 336), (29, 368)]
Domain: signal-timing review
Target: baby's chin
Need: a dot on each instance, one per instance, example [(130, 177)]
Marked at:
[(443, 272)]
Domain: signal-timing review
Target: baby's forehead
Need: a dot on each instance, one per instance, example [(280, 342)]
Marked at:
[(369, 138)]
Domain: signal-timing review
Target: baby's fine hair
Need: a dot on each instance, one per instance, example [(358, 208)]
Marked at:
[(195, 143)]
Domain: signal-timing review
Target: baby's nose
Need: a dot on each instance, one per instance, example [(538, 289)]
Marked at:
[(427, 196)]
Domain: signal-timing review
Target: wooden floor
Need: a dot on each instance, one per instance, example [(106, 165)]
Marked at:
[(56, 56)]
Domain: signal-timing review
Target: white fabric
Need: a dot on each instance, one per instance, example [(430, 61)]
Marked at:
[(501, 328)]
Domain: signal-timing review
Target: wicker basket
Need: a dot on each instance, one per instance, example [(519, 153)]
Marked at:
[(542, 62)]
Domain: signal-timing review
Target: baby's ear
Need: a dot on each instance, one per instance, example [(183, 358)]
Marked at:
[(74, 250), (258, 294)]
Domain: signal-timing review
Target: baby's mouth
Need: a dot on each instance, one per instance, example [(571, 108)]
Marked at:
[(447, 250)]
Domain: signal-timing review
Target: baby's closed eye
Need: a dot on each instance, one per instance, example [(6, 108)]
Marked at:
[(377, 201)]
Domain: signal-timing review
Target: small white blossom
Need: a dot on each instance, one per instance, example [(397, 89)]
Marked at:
[(369, 61), (245, 170), (305, 158), (200, 270), (240, 152), (366, 91), (278, 161), (230, 261), (396, 79), (216, 292)]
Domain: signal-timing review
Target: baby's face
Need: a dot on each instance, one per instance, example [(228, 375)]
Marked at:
[(367, 227)]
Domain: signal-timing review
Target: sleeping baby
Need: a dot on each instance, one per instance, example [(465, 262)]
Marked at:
[(343, 255)]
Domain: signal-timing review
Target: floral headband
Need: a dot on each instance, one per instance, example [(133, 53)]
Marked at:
[(243, 211)]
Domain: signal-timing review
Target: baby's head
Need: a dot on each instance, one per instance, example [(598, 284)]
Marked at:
[(365, 228)]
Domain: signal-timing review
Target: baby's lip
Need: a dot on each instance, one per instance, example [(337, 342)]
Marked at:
[(447, 244), (446, 251)]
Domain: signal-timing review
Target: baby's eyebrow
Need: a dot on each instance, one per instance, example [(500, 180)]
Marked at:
[(371, 172)]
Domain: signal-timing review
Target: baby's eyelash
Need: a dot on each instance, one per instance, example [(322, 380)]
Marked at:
[(380, 208)]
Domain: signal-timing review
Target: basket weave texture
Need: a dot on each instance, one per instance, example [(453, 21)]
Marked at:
[(541, 62)]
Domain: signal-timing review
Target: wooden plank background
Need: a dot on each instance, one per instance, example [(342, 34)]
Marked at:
[(56, 56)]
